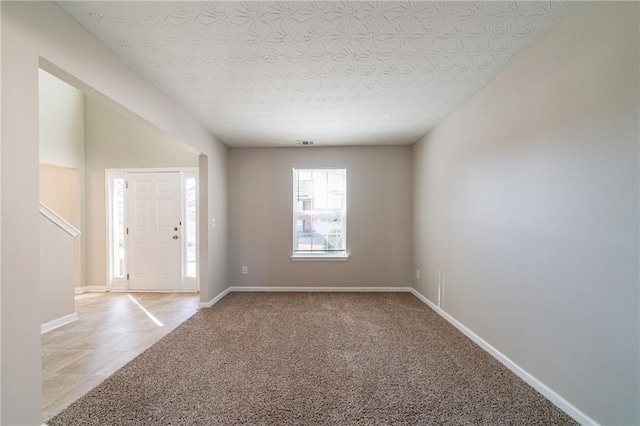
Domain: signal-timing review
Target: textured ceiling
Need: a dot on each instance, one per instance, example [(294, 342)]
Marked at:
[(340, 73)]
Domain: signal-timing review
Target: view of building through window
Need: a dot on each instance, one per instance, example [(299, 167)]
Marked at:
[(319, 211)]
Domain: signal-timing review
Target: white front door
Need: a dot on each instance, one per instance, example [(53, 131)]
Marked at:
[(153, 219)]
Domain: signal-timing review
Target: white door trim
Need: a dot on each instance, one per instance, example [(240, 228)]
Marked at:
[(187, 284)]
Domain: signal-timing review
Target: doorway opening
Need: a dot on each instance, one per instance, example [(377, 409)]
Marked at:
[(88, 336), (152, 229)]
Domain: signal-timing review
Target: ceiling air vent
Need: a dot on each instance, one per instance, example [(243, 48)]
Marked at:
[(304, 143)]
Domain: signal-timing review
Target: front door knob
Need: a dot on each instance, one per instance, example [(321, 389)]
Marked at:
[(175, 237)]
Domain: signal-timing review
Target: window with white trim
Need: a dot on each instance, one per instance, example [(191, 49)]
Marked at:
[(319, 212)]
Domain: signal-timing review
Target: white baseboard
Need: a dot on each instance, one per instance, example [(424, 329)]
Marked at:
[(59, 322), (96, 289), (123, 290), (215, 300), (549, 393), (320, 289), (91, 289)]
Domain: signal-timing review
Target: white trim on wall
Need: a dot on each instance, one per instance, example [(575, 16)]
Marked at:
[(59, 322), (154, 170), (319, 258), (58, 220), (90, 289), (152, 291), (320, 289), (215, 300)]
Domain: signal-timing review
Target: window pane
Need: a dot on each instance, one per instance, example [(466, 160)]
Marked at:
[(304, 175), (305, 189), (335, 182), (190, 226), (118, 228), (335, 201)]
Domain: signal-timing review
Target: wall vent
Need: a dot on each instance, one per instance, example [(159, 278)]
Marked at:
[(304, 143)]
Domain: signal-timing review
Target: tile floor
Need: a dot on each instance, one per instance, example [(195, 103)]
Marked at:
[(112, 330)]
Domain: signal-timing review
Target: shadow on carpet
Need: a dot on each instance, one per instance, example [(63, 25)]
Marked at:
[(313, 359)]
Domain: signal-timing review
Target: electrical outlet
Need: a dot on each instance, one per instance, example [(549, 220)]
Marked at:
[(417, 274), (245, 270)]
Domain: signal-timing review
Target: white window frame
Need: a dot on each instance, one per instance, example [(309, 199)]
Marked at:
[(187, 284), (319, 256), (113, 282)]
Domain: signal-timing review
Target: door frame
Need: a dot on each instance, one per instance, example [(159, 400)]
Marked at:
[(121, 284)]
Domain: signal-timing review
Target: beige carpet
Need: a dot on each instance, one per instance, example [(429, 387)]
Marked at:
[(313, 359)]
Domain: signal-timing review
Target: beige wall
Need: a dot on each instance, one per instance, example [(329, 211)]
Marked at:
[(114, 140), (61, 122), (378, 218), (56, 272), (59, 191), (40, 34), (526, 199), (61, 141)]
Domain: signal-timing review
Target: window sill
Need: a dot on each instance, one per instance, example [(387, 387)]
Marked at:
[(319, 258)]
